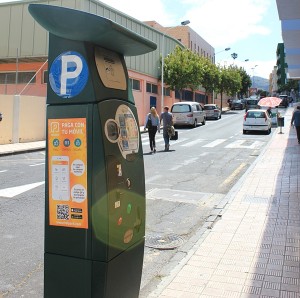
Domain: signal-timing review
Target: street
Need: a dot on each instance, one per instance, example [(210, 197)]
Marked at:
[(185, 189)]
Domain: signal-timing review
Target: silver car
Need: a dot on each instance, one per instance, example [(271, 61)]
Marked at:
[(212, 111), (188, 113)]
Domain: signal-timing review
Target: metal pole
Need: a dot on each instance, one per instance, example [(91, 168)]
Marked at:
[(17, 71), (162, 73)]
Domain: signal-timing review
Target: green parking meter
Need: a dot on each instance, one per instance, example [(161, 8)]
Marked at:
[(95, 186)]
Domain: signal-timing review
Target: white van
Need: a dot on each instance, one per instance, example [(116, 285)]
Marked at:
[(188, 113)]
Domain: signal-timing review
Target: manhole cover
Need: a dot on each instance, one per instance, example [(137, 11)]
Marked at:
[(164, 241)]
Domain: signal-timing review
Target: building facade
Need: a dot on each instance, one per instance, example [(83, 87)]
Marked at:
[(281, 65), (24, 52)]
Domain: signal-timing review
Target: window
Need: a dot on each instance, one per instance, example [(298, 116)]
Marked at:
[(167, 91), (45, 77), (135, 84), (151, 88), (23, 77), (181, 108)]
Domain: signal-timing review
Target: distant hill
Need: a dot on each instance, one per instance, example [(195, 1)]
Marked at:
[(260, 83)]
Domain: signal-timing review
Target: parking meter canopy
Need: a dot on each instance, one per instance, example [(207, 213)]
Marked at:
[(94, 70)]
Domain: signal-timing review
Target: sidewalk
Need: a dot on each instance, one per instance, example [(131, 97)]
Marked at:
[(254, 249)]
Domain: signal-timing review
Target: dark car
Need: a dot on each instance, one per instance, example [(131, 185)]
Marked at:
[(285, 101), (237, 105), (252, 104)]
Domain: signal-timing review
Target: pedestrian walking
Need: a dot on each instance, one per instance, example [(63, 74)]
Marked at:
[(296, 122), (152, 123), (167, 119)]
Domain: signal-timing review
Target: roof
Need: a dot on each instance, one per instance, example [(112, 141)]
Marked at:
[(83, 26)]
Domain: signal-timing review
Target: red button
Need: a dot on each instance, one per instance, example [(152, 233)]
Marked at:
[(120, 221)]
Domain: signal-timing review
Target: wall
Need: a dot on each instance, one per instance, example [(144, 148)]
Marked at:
[(24, 119)]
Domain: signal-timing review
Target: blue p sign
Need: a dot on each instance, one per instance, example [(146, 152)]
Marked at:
[(68, 74)]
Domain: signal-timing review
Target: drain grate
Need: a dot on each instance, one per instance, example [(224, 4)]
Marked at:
[(170, 241)]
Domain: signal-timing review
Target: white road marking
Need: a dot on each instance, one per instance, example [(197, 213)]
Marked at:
[(17, 190), (238, 144), (156, 177), (204, 154), (214, 143), (176, 168), (3, 171), (193, 143), (37, 164)]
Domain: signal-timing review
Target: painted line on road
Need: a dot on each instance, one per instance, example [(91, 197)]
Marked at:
[(156, 177), (233, 175), (3, 171), (17, 190), (37, 164), (238, 144), (193, 143), (176, 168), (214, 143)]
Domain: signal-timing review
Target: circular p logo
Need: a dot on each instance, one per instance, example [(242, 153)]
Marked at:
[(68, 74)]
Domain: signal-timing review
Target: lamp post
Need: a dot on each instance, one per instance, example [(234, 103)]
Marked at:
[(162, 63)]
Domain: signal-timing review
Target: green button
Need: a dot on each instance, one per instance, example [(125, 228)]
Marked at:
[(129, 208)]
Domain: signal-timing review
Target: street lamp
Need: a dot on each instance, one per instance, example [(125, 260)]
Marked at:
[(162, 63), (234, 56), (226, 49)]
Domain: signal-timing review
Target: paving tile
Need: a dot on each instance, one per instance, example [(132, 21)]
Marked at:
[(266, 293), (289, 294), (251, 290)]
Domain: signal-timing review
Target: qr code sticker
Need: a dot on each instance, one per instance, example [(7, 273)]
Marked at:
[(63, 212)]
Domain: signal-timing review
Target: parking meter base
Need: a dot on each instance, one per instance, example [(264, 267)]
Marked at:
[(74, 277)]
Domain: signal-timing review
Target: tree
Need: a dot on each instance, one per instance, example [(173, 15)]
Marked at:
[(182, 70), (210, 75), (245, 81), (230, 81)]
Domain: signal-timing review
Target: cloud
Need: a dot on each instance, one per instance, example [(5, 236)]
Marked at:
[(222, 23), (143, 10)]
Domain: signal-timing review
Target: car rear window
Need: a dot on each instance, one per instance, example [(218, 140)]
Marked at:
[(181, 108), (252, 102), (209, 107), (255, 115)]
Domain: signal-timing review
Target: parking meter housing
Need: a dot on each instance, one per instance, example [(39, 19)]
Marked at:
[(95, 185)]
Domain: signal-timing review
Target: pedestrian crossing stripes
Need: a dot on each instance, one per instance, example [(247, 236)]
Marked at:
[(205, 143)]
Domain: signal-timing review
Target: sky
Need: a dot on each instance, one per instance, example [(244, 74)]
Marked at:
[(250, 28)]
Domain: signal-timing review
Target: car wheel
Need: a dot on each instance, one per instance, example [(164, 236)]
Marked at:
[(204, 121), (244, 131), (195, 123), (220, 116)]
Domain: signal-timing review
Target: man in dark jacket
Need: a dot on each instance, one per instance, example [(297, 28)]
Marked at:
[(296, 122), (167, 120)]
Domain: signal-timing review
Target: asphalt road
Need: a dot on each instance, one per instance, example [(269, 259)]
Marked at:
[(185, 189)]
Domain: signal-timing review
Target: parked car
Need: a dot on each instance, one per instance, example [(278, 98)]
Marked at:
[(252, 103), (285, 101), (188, 113), (257, 120), (237, 104), (212, 111)]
